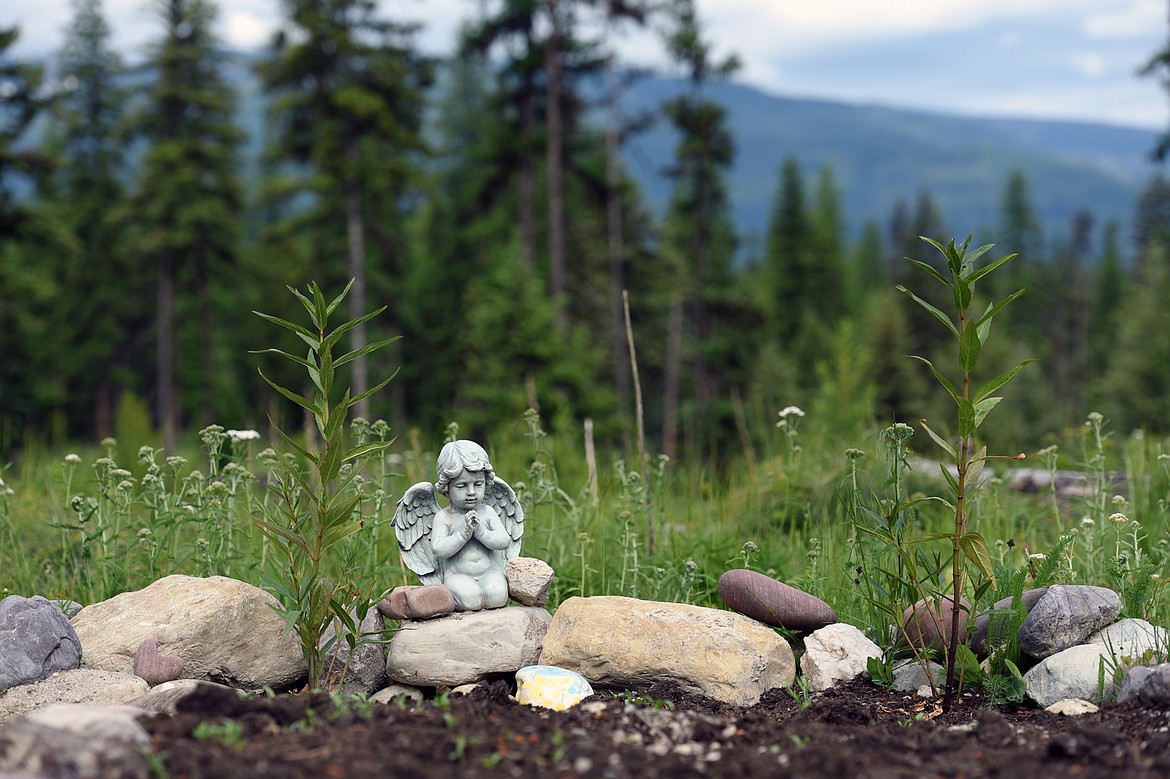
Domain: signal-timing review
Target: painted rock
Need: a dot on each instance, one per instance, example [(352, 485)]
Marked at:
[(772, 602), (550, 687), (928, 622)]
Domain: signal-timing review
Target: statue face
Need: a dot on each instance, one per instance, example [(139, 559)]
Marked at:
[(466, 490)]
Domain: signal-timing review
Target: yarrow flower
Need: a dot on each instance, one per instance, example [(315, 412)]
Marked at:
[(73, 459), (1087, 521), (1118, 518), (1037, 556), (243, 435), (789, 411)]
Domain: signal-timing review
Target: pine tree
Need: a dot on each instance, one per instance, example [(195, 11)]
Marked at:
[(104, 319), (346, 90), (699, 229), (186, 209)]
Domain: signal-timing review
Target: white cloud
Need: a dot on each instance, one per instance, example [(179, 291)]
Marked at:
[(246, 30), (1009, 40), (1130, 19), (1089, 63)]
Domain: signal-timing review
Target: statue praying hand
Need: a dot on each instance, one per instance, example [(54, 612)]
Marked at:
[(465, 545)]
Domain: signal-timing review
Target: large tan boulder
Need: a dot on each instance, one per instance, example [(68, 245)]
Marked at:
[(224, 630), (621, 643)]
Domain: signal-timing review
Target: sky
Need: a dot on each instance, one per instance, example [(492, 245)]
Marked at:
[(1043, 59)]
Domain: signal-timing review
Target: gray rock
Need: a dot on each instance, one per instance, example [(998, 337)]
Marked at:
[(113, 723), (1066, 616), (78, 686), (466, 646), (835, 653), (36, 640), (910, 676), (624, 642), (225, 630), (40, 750), (773, 602), (528, 580), (1150, 685), (982, 623), (366, 670)]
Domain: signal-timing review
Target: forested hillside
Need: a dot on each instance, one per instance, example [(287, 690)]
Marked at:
[(506, 212)]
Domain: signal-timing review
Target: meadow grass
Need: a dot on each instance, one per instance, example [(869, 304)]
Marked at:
[(83, 525)]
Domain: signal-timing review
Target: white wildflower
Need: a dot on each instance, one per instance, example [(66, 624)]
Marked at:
[(1118, 518), (1037, 556), (790, 411), (73, 459), (1119, 500), (243, 435), (1087, 521)]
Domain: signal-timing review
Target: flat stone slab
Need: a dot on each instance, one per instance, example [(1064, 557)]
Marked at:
[(466, 646)]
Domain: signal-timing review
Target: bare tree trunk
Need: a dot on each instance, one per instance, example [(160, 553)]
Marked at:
[(166, 356), (554, 154), (672, 375), (355, 231)]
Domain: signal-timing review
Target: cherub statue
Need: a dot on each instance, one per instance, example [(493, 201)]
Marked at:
[(465, 545)]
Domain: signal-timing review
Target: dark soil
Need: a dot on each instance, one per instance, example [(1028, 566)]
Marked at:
[(855, 730)]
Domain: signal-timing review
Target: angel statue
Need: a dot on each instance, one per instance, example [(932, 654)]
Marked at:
[(465, 545)]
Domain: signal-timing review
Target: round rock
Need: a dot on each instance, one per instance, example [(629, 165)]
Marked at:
[(773, 602)]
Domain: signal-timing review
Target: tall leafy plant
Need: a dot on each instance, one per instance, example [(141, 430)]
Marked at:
[(316, 493), (972, 404)]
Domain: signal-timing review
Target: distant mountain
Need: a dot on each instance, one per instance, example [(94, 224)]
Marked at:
[(880, 154)]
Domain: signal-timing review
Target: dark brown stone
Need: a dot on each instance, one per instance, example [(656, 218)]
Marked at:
[(156, 668), (417, 602), (772, 602), (927, 624)]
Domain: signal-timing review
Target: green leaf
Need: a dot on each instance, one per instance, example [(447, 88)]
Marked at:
[(300, 400), (966, 418), (983, 408), (376, 388), (949, 477), (307, 335), (962, 294), (993, 384), (975, 548), (975, 467), (337, 300), (931, 270), (370, 347), (939, 440), (969, 347), (943, 380), (939, 315), (342, 329), (984, 323), (298, 360), (990, 266)]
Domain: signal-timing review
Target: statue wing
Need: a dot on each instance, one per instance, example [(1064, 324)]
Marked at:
[(413, 520), (500, 496)]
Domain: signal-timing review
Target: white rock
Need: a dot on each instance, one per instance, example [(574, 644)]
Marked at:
[(116, 723), (391, 693), (466, 646), (78, 686), (30, 749), (164, 698), (1073, 673), (834, 653), (528, 580), (1071, 707), (1132, 638), (624, 642), (225, 630)]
